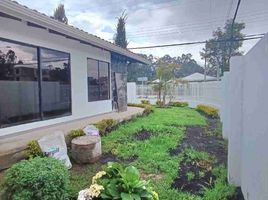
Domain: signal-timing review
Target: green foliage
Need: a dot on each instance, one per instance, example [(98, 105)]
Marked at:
[(147, 102), (192, 154), (37, 178), (120, 36), (147, 107), (208, 110), (178, 104), (218, 54), (76, 133), (147, 110), (190, 176), (106, 125), (159, 103), (59, 14), (34, 150), (123, 183), (222, 190)]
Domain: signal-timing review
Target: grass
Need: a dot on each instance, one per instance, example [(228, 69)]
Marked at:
[(167, 127)]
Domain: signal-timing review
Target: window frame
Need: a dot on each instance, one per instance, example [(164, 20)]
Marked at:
[(109, 80), (39, 80)]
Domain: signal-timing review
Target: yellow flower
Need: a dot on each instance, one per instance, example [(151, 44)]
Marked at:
[(155, 195), (95, 190), (98, 176)]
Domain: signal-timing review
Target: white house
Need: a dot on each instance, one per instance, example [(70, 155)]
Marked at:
[(198, 77), (51, 72)]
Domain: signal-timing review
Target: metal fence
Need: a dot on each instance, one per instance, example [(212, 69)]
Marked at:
[(202, 92)]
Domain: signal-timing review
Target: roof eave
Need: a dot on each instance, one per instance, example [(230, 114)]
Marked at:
[(26, 14)]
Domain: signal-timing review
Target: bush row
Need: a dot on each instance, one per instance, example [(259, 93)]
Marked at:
[(147, 107), (208, 110), (178, 104)]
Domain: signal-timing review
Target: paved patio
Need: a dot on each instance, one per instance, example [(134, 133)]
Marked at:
[(12, 147)]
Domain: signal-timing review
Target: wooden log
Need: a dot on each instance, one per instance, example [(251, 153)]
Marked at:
[(86, 149)]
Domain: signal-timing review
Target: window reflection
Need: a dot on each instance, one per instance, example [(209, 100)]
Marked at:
[(98, 80), (56, 84), (19, 99)]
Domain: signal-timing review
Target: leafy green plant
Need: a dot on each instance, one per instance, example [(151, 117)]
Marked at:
[(106, 125), (159, 103), (118, 182), (34, 150), (147, 110), (146, 102), (37, 178), (208, 110), (190, 176), (76, 133), (178, 104)]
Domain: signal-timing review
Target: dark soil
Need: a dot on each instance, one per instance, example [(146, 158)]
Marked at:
[(109, 157), (238, 195), (202, 178), (202, 138), (143, 135)]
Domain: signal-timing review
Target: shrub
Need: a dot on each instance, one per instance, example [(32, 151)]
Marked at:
[(37, 178), (118, 182), (159, 103), (179, 104), (147, 110), (146, 102), (34, 150), (208, 110), (106, 125), (136, 105), (76, 133), (147, 107)]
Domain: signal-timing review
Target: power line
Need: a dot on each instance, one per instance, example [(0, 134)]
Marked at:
[(252, 37), (233, 22)]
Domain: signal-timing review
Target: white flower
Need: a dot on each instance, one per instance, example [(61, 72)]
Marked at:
[(84, 195)]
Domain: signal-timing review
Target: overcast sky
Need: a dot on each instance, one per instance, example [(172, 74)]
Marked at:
[(155, 22)]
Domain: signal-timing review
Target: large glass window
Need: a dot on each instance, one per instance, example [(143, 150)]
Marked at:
[(98, 80), (56, 83), (19, 99), (33, 89)]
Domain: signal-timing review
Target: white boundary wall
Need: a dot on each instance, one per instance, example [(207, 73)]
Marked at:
[(247, 122)]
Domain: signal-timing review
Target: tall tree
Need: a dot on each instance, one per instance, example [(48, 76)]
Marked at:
[(224, 44), (59, 14), (120, 36)]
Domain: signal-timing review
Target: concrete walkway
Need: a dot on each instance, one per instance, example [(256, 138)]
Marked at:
[(12, 147)]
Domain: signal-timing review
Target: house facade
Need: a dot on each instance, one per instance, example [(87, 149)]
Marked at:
[(52, 73)]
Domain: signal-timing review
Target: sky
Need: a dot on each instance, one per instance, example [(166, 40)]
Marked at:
[(157, 22)]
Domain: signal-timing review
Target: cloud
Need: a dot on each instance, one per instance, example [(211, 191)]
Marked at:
[(155, 22)]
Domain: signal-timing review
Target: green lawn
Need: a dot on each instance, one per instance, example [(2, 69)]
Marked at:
[(154, 161)]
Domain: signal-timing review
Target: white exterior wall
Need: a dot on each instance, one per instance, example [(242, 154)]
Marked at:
[(225, 96), (248, 111), (20, 32)]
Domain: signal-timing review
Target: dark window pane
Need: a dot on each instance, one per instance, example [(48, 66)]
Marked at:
[(19, 99), (56, 83), (104, 80), (93, 80)]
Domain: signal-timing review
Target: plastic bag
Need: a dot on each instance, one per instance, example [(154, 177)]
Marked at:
[(91, 130), (54, 146)]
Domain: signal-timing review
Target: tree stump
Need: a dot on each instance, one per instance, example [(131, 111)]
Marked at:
[(86, 149)]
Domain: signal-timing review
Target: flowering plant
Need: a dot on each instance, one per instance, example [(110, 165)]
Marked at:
[(118, 182)]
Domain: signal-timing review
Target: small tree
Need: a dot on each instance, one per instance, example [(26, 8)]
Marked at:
[(167, 80), (59, 14), (120, 36)]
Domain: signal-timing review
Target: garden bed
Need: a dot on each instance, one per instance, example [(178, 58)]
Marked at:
[(173, 148)]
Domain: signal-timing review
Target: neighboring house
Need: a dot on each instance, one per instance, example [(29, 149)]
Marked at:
[(198, 77), (52, 73)]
